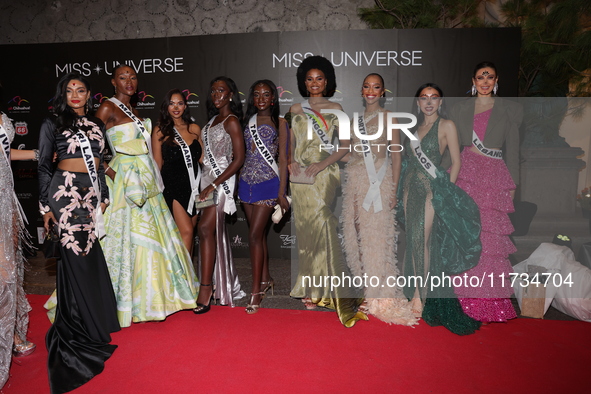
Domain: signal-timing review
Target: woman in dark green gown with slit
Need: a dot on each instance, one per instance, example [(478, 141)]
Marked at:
[(442, 222)]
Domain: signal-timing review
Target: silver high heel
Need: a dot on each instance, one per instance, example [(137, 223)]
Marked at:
[(251, 308), (268, 285)]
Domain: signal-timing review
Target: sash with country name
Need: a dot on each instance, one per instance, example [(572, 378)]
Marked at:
[(492, 153), (228, 185), (316, 122), (259, 143), (373, 195), (421, 156), (194, 179), (86, 149), (147, 137)]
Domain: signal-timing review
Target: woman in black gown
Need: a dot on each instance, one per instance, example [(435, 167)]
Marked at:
[(175, 122), (78, 341)]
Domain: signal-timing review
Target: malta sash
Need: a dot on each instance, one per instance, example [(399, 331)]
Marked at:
[(194, 179), (492, 153), (5, 140), (258, 142), (373, 195), (86, 149), (228, 185), (138, 123), (316, 122)]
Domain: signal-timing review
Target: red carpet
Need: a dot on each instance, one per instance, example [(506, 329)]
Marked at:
[(306, 351)]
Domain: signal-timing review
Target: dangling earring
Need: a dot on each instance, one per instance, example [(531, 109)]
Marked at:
[(439, 110), (230, 98), (86, 107), (473, 90), (496, 88)]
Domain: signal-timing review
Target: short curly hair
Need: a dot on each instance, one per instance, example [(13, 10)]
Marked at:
[(318, 63)]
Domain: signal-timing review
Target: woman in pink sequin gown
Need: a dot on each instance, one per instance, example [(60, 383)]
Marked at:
[(491, 183)]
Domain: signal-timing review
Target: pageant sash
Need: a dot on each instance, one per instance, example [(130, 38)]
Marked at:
[(373, 195), (228, 185), (146, 136), (5, 140), (315, 122), (6, 149), (258, 142), (86, 149), (194, 179), (421, 157), (492, 153)]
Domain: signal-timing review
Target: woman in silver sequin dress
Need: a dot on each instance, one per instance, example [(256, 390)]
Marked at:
[(222, 158), (14, 307)]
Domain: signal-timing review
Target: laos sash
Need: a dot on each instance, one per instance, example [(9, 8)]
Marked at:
[(316, 122), (373, 195), (228, 185), (258, 142), (86, 149), (492, 153), (147, 137), (194, 179), (422, 157)]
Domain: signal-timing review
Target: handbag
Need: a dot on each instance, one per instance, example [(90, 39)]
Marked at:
[(211, 200), (302, 177), (278, 214), (51, 245)]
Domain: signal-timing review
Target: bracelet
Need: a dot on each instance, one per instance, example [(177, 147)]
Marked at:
[(214, 185), (36, 153)]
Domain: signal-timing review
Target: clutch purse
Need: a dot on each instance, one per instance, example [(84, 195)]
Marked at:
[(211, 200), (51, 245), (278, 214), (302, 177)]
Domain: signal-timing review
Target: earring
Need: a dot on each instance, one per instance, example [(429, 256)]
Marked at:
[(86, 107), (473, 90), (230, 98), (496, 88), (272, 104), (439, 110)]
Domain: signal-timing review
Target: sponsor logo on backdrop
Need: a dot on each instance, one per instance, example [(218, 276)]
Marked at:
[(285, 96), (143, 66), (389, 96), (237, 242), (21, 128), (146, 101), (353, 58), (242, 97), (19, 105), (288, 241), (192, 98), (97, 100)]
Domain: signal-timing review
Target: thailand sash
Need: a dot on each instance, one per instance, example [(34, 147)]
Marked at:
[(258, 142), (6, 149), (373, 195), (146, 136), (492, 153), (86, 149), (194, 179), (315, 122), (228, 185), (422, 157)]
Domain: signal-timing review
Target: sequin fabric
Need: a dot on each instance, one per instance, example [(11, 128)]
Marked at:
[(255, 169), (489, 183), (14, 308)]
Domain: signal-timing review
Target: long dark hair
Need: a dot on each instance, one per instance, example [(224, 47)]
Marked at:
[(166, 123), (235, 104), (65, 116), (417, 111), (251, 109), (318, 63)]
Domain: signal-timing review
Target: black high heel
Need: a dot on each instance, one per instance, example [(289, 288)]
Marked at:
[(201, 308)]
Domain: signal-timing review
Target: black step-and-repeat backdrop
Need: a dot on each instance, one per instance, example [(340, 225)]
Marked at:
[(405, 58)]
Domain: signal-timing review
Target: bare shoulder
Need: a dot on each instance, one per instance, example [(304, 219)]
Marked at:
[(296, 109), (333, 105), (195, 130), (447, 126)]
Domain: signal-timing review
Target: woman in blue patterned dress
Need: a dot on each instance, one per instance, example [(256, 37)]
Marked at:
[(263, 182)]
